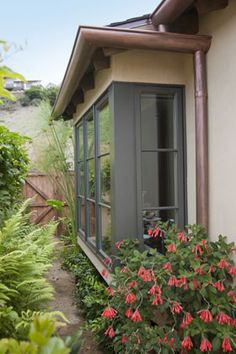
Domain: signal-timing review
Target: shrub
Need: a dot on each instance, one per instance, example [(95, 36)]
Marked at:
[(25, 256), (183, 301), (35, 92), (42, 339), (25, 101), (13, 168)]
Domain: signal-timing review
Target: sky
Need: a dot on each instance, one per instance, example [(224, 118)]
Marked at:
[(46, 31)]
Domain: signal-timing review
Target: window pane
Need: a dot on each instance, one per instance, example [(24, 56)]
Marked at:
[(157, 121), (91, 220), (81, 211), (105, 179), (158, 179), (106, 229), (91, 173), (81, 178), (90, 132), (104, 129), (81, 143)]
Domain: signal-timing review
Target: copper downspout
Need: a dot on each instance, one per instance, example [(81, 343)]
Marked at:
[(201, 122)]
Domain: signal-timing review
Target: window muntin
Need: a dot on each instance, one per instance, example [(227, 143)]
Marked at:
[(94, 185)]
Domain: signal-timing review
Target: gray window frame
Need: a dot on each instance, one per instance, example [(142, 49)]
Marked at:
[(125, 155)]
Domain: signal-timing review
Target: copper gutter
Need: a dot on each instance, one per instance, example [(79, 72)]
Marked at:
[(168, 11), (90, 38)]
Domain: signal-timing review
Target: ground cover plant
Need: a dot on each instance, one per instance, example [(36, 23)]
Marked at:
[(188, 292)]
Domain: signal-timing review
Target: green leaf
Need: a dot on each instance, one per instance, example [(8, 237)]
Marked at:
[(216, 343)]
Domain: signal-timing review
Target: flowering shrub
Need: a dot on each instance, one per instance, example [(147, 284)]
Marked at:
[(180, 302)]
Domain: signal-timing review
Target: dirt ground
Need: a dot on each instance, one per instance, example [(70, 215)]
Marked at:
[(63, 283)]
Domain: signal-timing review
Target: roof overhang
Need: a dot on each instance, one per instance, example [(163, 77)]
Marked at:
[(90, 39)]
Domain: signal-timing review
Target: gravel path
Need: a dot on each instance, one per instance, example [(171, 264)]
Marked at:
[(63, 283)]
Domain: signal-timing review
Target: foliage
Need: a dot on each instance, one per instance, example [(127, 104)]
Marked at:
[(6, 72), (188, 292), (36, 94), (13, 168), (55, 158), (90, 291), (42, 340), (25, 256)]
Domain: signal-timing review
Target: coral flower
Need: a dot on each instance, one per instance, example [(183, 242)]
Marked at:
[(167, 266), (157, 300), (124, 270), (199, 271), (129, 313), (186, 320), (109, 312), (226, 346), (107, 261), (222, 318), (187, 343), (219, 286), (173, 281), (130, 298), (176, 307), (169, 342), (232, 271), (171, 248), (211, 269), (132, 284), (195, 284), (110, 332), (206, 346), (222, 264), (144, 274), (205, 315), (198, 249), (118, 244), (136, 316), (155, 289), (183, 282), (181, 237), (104, 273), (124, 339), (110, 291)]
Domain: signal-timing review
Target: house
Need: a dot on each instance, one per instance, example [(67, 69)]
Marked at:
[(151, 99), (17, 85)]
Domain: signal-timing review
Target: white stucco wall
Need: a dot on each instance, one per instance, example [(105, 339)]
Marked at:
[(221, 67), (159, 68)]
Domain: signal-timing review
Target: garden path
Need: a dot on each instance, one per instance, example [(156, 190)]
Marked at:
[(64, 284)]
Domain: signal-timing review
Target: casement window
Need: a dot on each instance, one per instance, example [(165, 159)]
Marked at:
[(130, 164)]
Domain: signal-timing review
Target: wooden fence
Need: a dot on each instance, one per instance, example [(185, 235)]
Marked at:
[(41, 187)]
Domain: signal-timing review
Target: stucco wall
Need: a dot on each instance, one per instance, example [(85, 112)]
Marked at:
[(159, 68), (221, 63)]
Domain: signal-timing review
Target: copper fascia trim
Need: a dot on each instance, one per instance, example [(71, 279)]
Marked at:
[(169, 10), (88, 39)]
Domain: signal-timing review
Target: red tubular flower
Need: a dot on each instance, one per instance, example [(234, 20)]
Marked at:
[(109, 312), (222, 264), (155, 289), (195, 284), (187, 343), (132, 284), (110, 291), (104, 273), (144, 274), (173, 281), (169, 342), (199, 271), (157, 300), (198, 249), (222, 318), (129, 313), (232, 296), (171, 248), (211, 269), (226, 346), (232, 271), (181, 237), (205, 315), (110, 332), (204, 243), (183, 282), (219, 286), (233, 322), (176, 307), (130, 298), (124, 339), (119, 243), (136, 317), (186, 320), (206, 346), (167, 266), (107, 261)]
